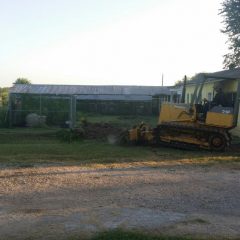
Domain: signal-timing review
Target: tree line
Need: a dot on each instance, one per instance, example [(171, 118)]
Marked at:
[(5, 90)]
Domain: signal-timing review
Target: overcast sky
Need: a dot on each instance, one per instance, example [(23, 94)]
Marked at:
[(130, 42)]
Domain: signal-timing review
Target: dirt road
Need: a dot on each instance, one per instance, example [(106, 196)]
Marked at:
[(51, 202)]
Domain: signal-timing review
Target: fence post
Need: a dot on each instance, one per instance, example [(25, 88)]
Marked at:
[(40, 105), (72, 113), (74, 109), (10, 109)]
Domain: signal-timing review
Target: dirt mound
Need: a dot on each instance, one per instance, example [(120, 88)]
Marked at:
[(101, 130)]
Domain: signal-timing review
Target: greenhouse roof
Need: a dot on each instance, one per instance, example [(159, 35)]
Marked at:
[(88, 89), (115, 97), (230, 74)]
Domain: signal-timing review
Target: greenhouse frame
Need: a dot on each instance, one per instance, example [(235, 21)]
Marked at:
[(61, 103)]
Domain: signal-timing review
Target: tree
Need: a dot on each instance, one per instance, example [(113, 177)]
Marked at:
[(22, 81), (231, 14), (181, 82), (4, 96)]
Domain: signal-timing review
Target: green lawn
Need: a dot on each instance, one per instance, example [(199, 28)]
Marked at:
[(131, 235), (26, 147), (21, 146), (85, 151), (122, 235)]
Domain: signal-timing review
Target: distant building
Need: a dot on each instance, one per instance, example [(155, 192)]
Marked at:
[(228, 86), (176, 93)]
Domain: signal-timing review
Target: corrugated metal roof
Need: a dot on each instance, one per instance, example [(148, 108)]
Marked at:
[(225, 74), (88, 89), (115, 97), (232, 73)]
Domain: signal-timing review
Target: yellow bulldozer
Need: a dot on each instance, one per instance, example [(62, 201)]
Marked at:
[(195, 124)]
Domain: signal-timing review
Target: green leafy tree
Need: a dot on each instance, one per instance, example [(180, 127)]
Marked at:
[(4, 96), (231, 14), (180, 82), (22, 81)]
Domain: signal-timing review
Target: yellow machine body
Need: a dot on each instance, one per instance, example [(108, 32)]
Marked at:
[(180, 123), (176, 112), (141, 133), (133, 134), (204, 125), (171, 112), (220, 119)]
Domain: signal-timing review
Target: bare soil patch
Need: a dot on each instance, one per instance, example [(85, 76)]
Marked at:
[(101, 130)]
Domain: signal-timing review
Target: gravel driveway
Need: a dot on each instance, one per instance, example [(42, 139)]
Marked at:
[(50, 202)]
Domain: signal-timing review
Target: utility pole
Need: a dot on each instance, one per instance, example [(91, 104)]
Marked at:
[(184, 89), (162, 79)]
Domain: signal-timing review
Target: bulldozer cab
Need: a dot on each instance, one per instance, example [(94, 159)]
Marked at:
[(220, 112)]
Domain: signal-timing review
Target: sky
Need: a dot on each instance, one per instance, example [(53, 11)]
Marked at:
[(109, 42)]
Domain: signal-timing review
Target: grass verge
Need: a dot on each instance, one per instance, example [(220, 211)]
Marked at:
[(26, 147)]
